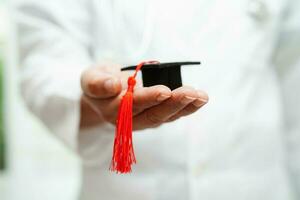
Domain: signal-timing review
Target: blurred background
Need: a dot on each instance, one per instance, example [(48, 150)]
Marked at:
[(28, 153)]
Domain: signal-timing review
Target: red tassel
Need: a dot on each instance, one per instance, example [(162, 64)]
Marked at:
[(123, 152)]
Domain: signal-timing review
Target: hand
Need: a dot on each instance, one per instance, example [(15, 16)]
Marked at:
[(103, 88)]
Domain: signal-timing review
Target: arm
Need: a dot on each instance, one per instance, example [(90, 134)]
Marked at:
[(54, 47), (287, 59), (54, 61)]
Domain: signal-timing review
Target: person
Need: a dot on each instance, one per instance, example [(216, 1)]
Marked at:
[(244, 144)]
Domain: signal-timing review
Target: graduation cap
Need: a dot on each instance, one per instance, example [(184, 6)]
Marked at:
[(154, 73), (168, 74)]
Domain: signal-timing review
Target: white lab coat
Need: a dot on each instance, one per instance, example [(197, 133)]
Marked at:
[(243, 145)]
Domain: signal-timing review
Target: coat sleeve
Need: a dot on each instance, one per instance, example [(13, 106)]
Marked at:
[(287, 59), (53, 43)]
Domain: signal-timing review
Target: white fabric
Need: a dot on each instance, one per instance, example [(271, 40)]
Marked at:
[(243, 145)]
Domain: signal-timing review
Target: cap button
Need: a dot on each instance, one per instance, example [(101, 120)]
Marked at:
[(258, 10)]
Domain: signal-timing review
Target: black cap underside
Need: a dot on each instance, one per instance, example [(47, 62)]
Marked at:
[(168, 74)]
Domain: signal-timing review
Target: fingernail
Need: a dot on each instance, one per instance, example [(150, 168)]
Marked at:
[(186, 100), (162, 97), (201, 94), (109, 84), (199, 102)]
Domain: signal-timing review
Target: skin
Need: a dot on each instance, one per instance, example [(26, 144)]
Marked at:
[(103, 87)]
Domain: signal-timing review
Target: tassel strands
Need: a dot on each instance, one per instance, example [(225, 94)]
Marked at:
[(123, 152)]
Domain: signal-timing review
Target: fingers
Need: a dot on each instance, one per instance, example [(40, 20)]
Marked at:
[(100, 84), (149, 96), (189, 109), (192, 107), (143, 98), (184, 97)]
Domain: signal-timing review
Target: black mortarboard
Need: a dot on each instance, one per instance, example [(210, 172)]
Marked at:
[(168, 74)]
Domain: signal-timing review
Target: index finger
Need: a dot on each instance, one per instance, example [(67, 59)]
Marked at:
[(146, 97), (143, 98)]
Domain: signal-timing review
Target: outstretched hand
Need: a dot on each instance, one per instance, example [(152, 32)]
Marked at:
[(104, 86)]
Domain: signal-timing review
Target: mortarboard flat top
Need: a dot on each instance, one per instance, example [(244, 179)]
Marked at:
[(168, 74)]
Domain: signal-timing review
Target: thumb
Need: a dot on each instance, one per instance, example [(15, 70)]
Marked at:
[(97, 83)]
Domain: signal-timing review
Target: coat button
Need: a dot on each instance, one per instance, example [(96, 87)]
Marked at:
[(198, 170), (258, 10)]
